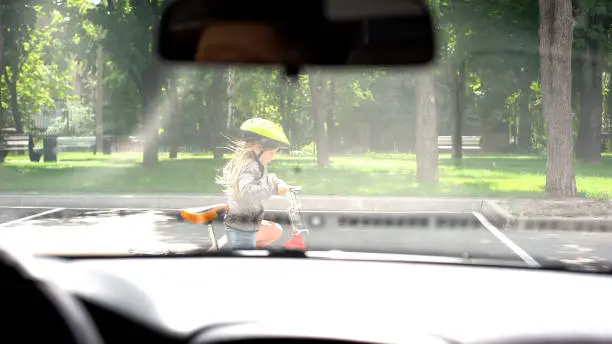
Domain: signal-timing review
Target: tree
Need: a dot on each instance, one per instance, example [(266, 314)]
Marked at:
[(426, 121), (319, 114), (556, 24), (17, 21), (132, 52), (590, 41), (426, 128)]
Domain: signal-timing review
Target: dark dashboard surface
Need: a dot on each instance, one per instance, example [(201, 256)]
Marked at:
[(172, 299)]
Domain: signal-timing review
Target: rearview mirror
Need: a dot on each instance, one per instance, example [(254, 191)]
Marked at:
[(297, 33)]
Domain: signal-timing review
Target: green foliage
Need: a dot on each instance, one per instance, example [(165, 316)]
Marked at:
[(52, 48)]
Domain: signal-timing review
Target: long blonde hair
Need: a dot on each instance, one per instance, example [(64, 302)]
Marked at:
[(243, 154)]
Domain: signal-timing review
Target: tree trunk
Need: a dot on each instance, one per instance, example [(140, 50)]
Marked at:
[(457, 142), (99, 101), (319, 115), (149, 92), (290, 87), (580, 76), (2, 31), (282, 91), (14, 98), (150, 151), (426, 128), (591, 102), (216, 101), (174, 132), (555, 33), (231, 80), (524, 131), (332, 132)]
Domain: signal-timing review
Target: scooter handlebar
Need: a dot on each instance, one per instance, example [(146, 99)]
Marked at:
[(292, 188), (295, 189)]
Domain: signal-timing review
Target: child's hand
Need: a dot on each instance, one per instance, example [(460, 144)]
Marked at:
[(281, 191), (273, 178), (282, 187)]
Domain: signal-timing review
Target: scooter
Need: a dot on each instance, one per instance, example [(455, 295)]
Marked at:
[(299, 232), (212, 215)]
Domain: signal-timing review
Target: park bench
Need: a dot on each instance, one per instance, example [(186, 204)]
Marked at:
[(76, 143), (18, 143), (468, 143), (80, 143), (219, 151)]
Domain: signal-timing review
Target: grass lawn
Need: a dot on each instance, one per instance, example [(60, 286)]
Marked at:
[(370, 174)]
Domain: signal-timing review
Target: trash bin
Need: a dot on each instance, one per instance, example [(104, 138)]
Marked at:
[(107, 143), (33, 153), (50, 148)]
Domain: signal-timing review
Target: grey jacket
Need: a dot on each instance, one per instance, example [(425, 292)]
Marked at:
[(246, 212)]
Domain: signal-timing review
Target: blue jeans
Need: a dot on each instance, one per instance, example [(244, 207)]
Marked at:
[(240, 240)]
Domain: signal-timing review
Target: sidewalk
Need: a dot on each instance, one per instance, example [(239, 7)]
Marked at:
[(488, 207), (176, 201)]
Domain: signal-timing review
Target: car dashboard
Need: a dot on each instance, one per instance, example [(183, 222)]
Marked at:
[(246, 299)]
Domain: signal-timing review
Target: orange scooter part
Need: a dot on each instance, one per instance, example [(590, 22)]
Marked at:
[(203, 215)]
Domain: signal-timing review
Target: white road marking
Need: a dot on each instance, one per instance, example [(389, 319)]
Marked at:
[(506, 241), (82, 208), (106, 234), (50, 211), (23, 207)]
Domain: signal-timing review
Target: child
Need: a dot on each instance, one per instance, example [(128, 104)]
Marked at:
[(247, 183)]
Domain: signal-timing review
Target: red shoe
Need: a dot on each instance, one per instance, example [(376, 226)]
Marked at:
[(295, 243)]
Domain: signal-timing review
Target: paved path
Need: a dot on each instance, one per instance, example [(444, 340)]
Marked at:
[(52, 230)]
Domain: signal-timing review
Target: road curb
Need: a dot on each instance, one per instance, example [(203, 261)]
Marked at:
[(569, 224), (490, 209), (503, 220)]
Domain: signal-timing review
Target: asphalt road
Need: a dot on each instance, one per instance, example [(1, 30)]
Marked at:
[(82, 231)]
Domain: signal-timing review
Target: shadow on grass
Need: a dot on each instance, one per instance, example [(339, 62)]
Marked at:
[(181, 176), (196, 176), (487, 189), (531, 165), (511, 165)]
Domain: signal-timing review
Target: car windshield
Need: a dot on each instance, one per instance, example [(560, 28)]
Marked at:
[(501, 148)]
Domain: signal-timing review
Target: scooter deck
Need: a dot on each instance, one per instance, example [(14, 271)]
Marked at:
[(203, 215)]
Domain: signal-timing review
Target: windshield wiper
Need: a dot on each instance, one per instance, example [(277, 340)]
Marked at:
[(223, 253), (578, 266), (412, 257)]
